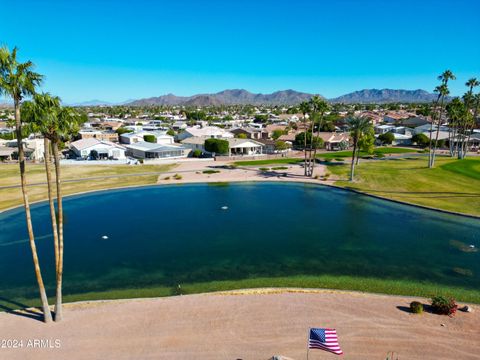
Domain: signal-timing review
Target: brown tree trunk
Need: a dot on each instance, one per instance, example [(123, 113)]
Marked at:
[(58, 302), (47, 316), (352, 165), (53, 216), (305, 143), (440, 113)]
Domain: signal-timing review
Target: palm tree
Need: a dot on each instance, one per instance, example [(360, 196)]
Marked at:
[(305, 109), (319, 107), (18, 80), (67, 124), (446, 76), (359, 125), (443, 92), (41, 114)]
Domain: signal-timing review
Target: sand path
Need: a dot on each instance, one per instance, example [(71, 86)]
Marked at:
[(247, 326)]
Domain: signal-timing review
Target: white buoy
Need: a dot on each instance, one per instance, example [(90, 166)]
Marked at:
[(104, 237), (472, 246), (224, 207)]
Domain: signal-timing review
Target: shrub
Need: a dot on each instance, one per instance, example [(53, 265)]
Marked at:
[(444, 306), (177, 177), (217, 146), (171, 132), (339, 159), (196, 153), (264, 169), (166, 178), (210, 171), (280, 168), (416, 307), (421, 140), (386, 138), (150, 138)]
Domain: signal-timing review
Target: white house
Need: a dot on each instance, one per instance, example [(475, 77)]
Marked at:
[(132, 138), (102, 149), (147, 150), (244, 147), (208, 131)]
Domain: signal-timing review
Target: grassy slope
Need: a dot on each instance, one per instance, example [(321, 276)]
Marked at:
[(452, 185), (9, 175)]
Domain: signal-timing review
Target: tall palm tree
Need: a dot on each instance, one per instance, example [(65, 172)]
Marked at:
[(67, 125), (18, 80), (41, 115), (359, 125), (443, 92), (320, 107), (305, 109)]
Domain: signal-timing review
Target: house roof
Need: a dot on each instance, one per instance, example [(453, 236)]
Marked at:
[(153, 147), (208, 131), (86, 143), (235, 143)]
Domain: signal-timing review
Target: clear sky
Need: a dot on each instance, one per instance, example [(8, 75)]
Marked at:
[(119, 50)]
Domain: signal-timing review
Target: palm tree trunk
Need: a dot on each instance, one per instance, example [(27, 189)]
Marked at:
[(47, 316), (48, 170), (440, 112), (305, 144), (357, 156), (352, 165), (58, 303)]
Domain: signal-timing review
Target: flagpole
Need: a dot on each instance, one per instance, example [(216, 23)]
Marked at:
[(308, 342)]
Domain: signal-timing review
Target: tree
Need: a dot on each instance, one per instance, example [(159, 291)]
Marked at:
[(67, 125), (150, 138), (305, 109), (387, 138), (241, 136), (217, 146), (301, 138), (366, 142), (122, 130), (359, 125), (443, 92), (421, 140), (18, 80), (319, 108), (277, 133), (281, 145)]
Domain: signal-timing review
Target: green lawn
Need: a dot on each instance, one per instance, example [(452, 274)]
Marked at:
[(452, 185), (373, 285), (378, 152), (269, 161)]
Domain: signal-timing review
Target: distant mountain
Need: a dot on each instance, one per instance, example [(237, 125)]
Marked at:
[(93, 103), (385, 96), (227, 97)]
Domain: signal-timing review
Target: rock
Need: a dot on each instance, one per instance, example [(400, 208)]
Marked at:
[(442, 325), (279, 357), (466, 308)]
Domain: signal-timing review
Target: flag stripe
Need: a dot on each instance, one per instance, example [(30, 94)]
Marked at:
[(324, 339)]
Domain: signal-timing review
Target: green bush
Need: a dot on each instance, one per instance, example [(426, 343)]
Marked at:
[(444, 306), (210, 171), (386, 138), (280, 168), (264, 169), (217, 146), (416, 307), (196, 153), (171, 132), (150, 138), (177, 177), (421, 140)]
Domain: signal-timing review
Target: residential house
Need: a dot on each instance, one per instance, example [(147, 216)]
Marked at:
[(107, 135), (147, 150), (208, 131), (333, 140), (99, 149)]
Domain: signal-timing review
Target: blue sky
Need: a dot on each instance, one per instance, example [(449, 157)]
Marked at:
[(119, 50)]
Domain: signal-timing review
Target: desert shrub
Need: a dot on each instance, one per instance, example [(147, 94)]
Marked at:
[(196, 153), (140, 161), (264, 169), (339, 159), (177, 177), (210, 171), (280, 168), (166, 178), (444, 306), (416, 307)]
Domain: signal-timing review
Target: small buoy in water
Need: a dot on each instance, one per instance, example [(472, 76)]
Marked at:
[(472, 246), (224, 207), (104, 237)]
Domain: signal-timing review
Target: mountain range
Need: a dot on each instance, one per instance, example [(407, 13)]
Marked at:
[(285, 97)]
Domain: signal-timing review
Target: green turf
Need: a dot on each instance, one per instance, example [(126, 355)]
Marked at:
[(269, 161), (453, 185), (381, 286)]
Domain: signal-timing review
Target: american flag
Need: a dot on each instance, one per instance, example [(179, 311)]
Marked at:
[(324, 339)]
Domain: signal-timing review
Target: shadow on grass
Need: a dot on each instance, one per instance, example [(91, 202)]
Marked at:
[(20, 309)]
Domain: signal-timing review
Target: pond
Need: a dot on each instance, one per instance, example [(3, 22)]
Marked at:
[(180, 234)]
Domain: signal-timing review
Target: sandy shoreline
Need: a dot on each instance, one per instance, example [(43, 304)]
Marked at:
[(253, 324)]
